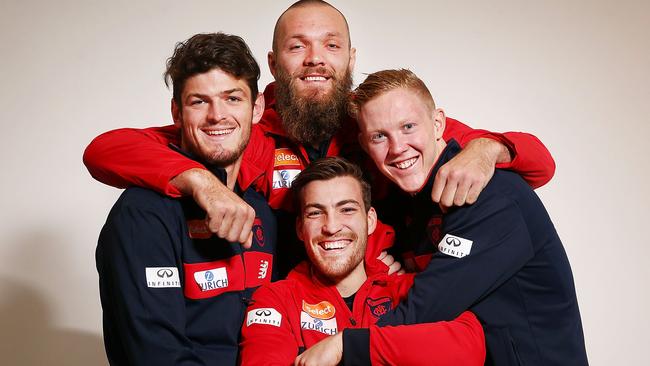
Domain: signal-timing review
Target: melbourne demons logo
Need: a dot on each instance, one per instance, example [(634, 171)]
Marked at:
[(258, 232), (379, 307)]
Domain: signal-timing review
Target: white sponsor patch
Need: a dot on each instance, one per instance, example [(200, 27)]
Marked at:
[(284, 178), (265, 316), (326, 326), (162, 277), (212, 279), (455, 246)]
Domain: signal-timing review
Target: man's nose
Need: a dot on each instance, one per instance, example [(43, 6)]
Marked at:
[(333, 225), (396, 145), (314, 56), (216, 112)]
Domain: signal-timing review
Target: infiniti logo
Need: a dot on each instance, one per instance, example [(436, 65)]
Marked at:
[(164, 273), (263, 312), (453, 241)]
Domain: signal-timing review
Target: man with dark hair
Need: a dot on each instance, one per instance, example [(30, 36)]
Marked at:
[(328, 306), (501, 257), (171, 292), (305, 119)]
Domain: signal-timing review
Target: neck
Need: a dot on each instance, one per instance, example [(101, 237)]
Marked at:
[(353, 281), (232, 171)]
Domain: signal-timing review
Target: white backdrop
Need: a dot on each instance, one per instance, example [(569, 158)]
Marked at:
[(575, 73)]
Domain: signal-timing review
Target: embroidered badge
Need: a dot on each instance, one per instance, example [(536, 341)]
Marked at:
[(264, 316), (455, 246), (162, 277)]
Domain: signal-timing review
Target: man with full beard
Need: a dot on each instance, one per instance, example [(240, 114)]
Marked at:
[(305, 119)]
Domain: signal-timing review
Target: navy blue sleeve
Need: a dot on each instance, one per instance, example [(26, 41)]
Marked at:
[(138, 260), (483, 245)]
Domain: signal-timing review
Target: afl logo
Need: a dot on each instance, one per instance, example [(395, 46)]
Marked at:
[(453, 241), (164, 273)]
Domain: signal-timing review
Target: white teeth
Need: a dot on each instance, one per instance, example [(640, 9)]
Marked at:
[(219, 132), (315, 78), (339, 244), (406, 163)]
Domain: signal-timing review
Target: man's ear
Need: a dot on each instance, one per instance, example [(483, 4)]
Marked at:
[(372, 220), (258, 108), (353, 58), (270, 58), (439, 122), (177, 115)]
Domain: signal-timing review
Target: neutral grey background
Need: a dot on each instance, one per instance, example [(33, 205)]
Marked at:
[(574, 73)]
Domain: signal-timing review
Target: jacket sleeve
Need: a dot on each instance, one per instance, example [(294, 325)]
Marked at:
[(457, 342), (531, 159), (148, 322), (138, 157), (495, 238), (268, 337)]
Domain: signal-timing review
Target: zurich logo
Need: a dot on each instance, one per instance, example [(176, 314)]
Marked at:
[(284, 174), (453, 241), (209, 276), (318, 323)]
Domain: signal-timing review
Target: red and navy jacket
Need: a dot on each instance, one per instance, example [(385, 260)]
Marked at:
[(141, 157), (502, 259), (288, 316), (171, 292), (271, 161)]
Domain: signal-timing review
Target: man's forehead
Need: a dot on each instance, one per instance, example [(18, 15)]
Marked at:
[(216, 81), (320, 13), (333, 192)]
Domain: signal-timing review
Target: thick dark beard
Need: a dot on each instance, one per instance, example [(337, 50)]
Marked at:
[(308, 120)]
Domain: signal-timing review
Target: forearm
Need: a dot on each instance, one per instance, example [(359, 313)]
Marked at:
[(457, 342), (134, 157)]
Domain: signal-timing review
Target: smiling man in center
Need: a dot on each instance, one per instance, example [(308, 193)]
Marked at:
[(325, 311)]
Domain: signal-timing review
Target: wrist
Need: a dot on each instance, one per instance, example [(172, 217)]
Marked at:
[(494, 150), (193, 181)]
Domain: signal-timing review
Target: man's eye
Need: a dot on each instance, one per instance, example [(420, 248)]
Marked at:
[(333, 45), (234, 99), (296, 47), (196, 102), (348, 210), (377, 137), (409, 126), (313, 213)]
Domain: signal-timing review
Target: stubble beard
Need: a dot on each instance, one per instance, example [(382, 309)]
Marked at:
[(309, 119), (219, 157), (335, 272)]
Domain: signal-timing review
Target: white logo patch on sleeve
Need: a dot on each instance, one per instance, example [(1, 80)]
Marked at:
[(455, 246), (162, 277), (212, 279), (264, 316)]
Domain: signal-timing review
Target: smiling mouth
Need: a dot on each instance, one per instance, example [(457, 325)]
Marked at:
[(405, 164), (334, 244), (219, 132), (314, 78)]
